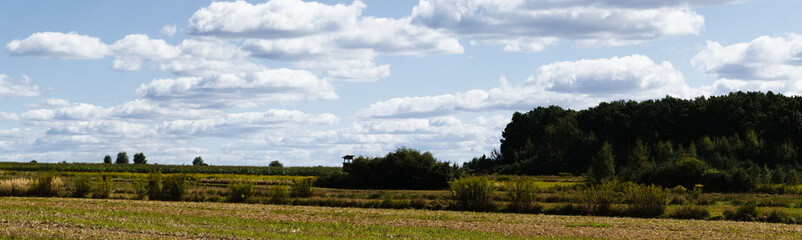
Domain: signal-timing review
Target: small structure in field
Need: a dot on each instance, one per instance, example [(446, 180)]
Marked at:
[(347, 162)]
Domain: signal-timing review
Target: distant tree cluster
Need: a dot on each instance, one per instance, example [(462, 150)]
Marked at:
[(726, 143), (122, 158), (403, 169)]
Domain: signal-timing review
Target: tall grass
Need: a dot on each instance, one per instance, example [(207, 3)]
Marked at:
[(240, 191), (522, 195), (302, 188), (645, 201), (473, 193), (15, 187)]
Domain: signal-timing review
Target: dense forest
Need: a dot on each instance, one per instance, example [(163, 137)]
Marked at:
[(726, 143)]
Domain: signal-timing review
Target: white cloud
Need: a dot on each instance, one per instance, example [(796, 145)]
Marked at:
[(576, 84), (226, 90), (532, 25), (59, 45), (20, 87), (134, 48), (169, 30), (273, 19), (247, 123), (763, 64)]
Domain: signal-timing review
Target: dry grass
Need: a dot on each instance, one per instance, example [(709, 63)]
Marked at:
[(15, 186), (127, 219)]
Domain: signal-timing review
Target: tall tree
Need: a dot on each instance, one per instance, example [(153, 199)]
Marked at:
[(198, 161), (139, 158), (602, 166), (122, 158)]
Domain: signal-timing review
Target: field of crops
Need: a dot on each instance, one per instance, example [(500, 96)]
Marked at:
[(130, 219), (146, 168)]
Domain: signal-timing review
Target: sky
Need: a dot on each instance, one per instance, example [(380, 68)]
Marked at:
[(303, 82)]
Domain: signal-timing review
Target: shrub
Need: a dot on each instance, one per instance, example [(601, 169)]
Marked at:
[(336, 180), (645, 201), (746, 212), (174, 187), (103, 188), (302, 188), (778, 216), (473, 193), (15, 187), (154, 185), (47, 185), (81, 187), (690, 212), (279, 194), (240, 191), (522, 196), (601, 197)]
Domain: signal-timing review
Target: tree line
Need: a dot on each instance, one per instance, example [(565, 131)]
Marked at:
[(727, 143)]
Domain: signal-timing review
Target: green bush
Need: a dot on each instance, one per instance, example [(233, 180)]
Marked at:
[(103, 188), (81, 187), (47, 185), (690, 212), (601, 197), (746, 212), (403, 169), (473, 193), (302, 188), (154, 185), (240, 191), (279, 194), (522, 195), (778, 216), (174, 187), (645, 201)]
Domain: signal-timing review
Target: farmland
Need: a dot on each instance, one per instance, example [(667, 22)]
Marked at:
[(131, 219)]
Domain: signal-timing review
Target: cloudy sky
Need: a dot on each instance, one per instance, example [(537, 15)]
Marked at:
[(245, 83)]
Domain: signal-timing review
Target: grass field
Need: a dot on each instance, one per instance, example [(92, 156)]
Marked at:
[(48, 218)]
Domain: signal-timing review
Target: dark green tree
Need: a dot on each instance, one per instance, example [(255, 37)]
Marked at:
[(275, 163), (198, 161), (139, 158), (602, 165), (122, 158), (107, 159)]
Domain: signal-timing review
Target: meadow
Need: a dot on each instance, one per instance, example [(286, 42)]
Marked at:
[(70, 218), (147, 205)]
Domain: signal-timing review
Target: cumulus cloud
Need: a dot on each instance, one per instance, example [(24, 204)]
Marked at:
[(59, 45), (21, 87), (574, 84), (246, 123), (134, 48), (532, 25), (227, 90), (332, 40), (169, 30), (273, 19), (763, 64)]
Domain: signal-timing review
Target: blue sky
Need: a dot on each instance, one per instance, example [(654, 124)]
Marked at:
[(245, 83)]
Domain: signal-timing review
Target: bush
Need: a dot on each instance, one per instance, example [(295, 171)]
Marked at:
[(81, 187), (690, 212), (336, 180), (240, 191), (746, 212), (302, 188), (645, 201), (174, 187), (473, 193), (601, 197), (522, 196), (279, 194), (154, 185), (103, 188), (778, 216), (47, 185), (15, 187)]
